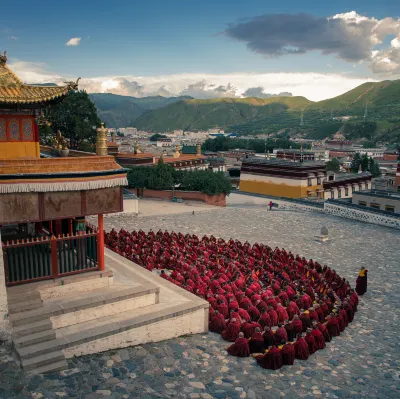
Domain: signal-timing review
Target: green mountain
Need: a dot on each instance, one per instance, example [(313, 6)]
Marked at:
[(122, 111), (370, 111), (222, 112)]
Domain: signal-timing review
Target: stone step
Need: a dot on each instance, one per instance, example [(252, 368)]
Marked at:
[(104, 327), (32, 328), (49, 368), (47, 359), (88, 300), (23, 306), (35, 338)]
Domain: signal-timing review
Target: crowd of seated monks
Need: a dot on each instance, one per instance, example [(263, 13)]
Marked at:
[(269, 303)]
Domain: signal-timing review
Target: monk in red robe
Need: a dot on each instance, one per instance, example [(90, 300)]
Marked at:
[(305, 319), (256, 342), (240, 348), (268, 336), (297, 325), (333, 325), (271, 360), (217, 323), (280, 335), (324, 332), (232, 331), (288, 353), (309, 338), (318, 337), (301, 348)]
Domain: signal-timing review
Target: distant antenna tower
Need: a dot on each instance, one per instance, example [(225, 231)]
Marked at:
[(302, 118), (366, 110)]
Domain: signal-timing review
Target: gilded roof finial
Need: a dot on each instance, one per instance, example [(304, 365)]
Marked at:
[(268, 155), (284, 155), (198, 149), (101, 141), (3, 58)]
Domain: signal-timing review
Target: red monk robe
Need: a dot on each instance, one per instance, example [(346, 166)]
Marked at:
[(280, 335), (333, 326), (271, 360), (232, 331), (301, 349), (288, 354), (325, 332), (240, 348), (318, 338), (312, 346), (269, 337), (256, 343), (217, 323), (297, 325)]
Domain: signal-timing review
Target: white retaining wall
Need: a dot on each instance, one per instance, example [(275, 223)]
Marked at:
[(361, 215)]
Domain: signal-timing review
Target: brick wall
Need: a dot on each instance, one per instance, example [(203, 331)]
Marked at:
[(216, 200)]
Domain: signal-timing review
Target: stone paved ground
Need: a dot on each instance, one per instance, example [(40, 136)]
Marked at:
[(362, 363)]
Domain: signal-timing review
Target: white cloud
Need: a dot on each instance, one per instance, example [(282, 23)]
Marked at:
[(12, 38), (314, 86), (74, 41)]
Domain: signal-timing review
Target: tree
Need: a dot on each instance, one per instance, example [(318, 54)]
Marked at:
[(374, 168), (333, 165), (157, 136), (355, 162), (76, 118), (365, 163)]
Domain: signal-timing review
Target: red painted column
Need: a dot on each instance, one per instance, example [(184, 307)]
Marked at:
[(100, 242)]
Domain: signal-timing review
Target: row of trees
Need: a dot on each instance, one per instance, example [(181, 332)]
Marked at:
[(165, 177), (368, 164), (258, 145)]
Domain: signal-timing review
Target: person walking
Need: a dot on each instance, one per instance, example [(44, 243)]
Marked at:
[(362, 281), (271, 204)]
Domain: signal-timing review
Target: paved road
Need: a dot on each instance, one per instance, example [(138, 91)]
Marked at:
[(362, 363)]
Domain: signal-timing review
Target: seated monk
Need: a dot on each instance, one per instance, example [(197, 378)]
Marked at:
[(349, 310), (273, 315), (265, 319), (217, 323), (280, 335), (288, 353), (297, 325), (343, 313), (301, 348), (232, 331), (240, 348), (333, 325), (305, 319), (289, 330), (324, 332), (271, 360), (268, 336), (318, 337), (341, 322), (256, 342), (253, 312), (309, 338)]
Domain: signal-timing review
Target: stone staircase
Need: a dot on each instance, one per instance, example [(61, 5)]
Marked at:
[(97, 311)]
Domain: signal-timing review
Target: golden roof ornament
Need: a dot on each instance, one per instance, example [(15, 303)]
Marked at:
[(268, 155), (137, 149), (198, 149), (101, 141), (3, 58), (177, 151), (284, 155)]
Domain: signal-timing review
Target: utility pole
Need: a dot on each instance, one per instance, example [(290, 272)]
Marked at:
[(301, 117)]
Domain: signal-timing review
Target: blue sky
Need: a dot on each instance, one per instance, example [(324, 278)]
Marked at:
[(157, 38)]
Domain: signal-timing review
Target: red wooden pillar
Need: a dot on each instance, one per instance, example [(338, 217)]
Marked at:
[(100, 242), (70, 227), (57, 227)]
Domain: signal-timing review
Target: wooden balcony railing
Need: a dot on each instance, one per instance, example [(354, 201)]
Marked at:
[(44, 258)]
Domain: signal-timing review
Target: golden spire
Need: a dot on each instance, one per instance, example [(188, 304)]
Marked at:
[(284, 155), (198, 149), (177, 151), (101, 141), (137, 148)]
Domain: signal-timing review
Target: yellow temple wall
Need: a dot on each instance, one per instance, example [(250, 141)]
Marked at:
[(19, 149), (276, 186)]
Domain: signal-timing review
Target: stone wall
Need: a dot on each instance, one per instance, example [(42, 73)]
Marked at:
[(351, 212), (216, 200)]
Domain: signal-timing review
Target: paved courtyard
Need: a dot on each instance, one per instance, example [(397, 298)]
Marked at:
[(362, 363)]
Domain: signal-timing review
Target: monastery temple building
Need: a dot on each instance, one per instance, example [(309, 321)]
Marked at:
[(284, 178), (58, 294)]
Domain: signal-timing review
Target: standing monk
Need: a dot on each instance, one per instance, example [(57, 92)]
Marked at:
[(362, 281)]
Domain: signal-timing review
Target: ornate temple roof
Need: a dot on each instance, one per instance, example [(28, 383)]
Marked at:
[(14, 91)]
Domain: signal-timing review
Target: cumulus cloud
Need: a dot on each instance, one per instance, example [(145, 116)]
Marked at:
[(314, 86), (259, 92), (12, 38), (74, 41), (349, 36)]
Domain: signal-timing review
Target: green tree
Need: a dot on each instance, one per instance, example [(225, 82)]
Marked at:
[(76, 118), (365, 163), (157, 136), (333, 165), (374, 168), (355, 162)]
